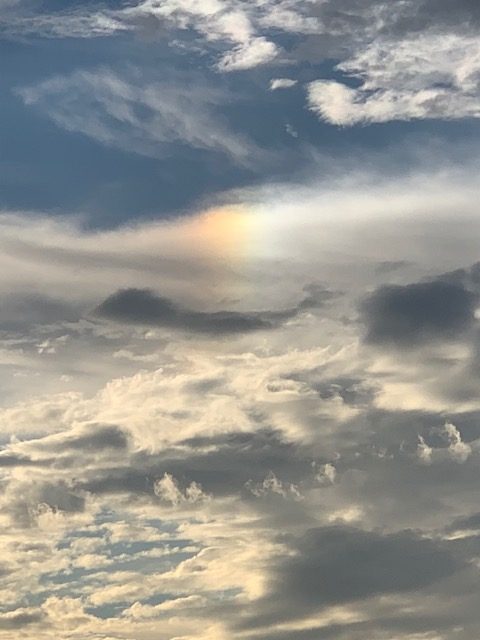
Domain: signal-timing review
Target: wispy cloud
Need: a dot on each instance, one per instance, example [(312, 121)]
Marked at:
[(138, 114)]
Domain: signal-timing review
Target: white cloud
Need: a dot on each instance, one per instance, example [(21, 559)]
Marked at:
[(272, 485), (424, 452), (137, 114), (167, 489), (432, 76), (460, 451), (282, 83), (248, 55), (242, 27)]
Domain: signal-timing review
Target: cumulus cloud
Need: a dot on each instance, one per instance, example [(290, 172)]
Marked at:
[(167, 489)]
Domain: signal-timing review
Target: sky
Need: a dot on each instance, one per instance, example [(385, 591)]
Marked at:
[(239, 319)]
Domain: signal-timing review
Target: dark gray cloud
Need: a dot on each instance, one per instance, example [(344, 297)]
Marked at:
[(51, 496), (16, 461), (222, 465), (418, 16), (143, 306), (465, 523), (339, 564), (13, 621), (18, 312), (97, 439), (390, 266), (355, 17), (352, 390), (414, 313), (465, 277)]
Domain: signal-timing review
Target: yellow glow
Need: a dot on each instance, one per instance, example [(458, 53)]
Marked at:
[(223, 232)]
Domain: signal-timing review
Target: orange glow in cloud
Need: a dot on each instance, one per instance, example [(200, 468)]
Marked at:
[(222, 233)]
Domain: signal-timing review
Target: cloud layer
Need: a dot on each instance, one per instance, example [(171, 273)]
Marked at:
[(313, 478), (239, 328)]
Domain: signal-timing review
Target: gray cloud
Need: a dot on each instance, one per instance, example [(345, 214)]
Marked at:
[(96, 439), (12, 621), (411, 314), (21, 311), (33, 500), (340, 564), (18, 461), (143, 306), (222, 465)]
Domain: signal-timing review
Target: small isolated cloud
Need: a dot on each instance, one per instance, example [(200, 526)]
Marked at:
[(282, 83), (273, 485), (291, 131), (167, 489)]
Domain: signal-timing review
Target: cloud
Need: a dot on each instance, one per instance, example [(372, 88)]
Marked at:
[(241, 28), (258, 463), (142, 306), (137, 114), (95, 438), (154, 483), (20, 619), (431, 76), (416, 60), (30, 309), (246, 56), (166, 488), (408, 315), (282, 83), (335, 565)]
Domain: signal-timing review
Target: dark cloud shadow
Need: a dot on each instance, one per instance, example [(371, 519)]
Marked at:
[(406, 316), (144, 307), (339, 564)]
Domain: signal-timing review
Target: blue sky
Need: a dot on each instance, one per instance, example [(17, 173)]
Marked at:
[(60, 169), (239, 319)]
